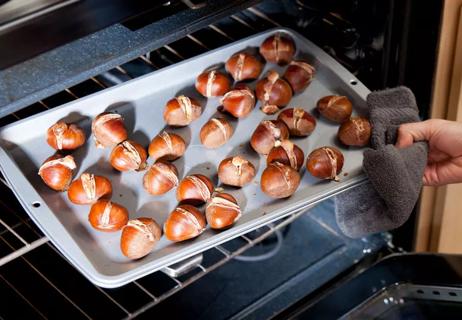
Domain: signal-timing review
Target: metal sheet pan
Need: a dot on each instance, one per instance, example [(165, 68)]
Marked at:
[(141, 102)]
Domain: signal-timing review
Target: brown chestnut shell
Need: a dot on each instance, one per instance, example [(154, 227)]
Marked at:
[(181, 111), (139, 237), (108, 129), (107, 216), (325, 163), (299, 75), (236, 171), (355, 132), (244, 66), (160, 178), (278, 48), (269, 133), (215, 133), (183, 223), (239, 102), (57, 171), (299, 121), (273, 90), (128, 155), (335, 108), (166, 146), (63, 136), (279, 181), (212, 83), (89, 188), (194, 189), (222, 211), (287, 153)]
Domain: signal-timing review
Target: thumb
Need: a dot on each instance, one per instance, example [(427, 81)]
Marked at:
[(408, 133)]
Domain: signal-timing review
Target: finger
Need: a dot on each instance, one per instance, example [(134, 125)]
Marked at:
[(442, 173), (410, 132)]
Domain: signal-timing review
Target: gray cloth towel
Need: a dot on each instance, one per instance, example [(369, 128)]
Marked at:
[(386, 201)]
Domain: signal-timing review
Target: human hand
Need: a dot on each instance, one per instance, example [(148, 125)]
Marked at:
[(444, 138)]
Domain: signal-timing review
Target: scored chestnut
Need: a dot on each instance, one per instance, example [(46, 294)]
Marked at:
[(166, 146), (88, 189), (355, 132), (244, 66), (212, 83), (335, 108), (128, 155), (183, 223), (108, 129), (299, 75), (279, 181), (236, 171), (287, 153), (56, 171), (181, 111), (215, 132), (299, 122), (139, 237), (194, 189), (269, 133), (239, 102), (325, 163), (273, 91), (222, 211), (278, 49), (63, 136), (107, 216), (160, 178)]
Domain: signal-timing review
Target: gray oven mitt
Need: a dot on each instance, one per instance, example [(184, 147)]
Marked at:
[(386, 201)]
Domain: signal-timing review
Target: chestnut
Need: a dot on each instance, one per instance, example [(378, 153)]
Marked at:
[(299, 75), (107, 216), (139, 237), (279, 180), (222, 211), (269, 133), (160, 178), (273, 91), (243, 66), (287, 153), (63, 136), (194, 189), (128, 155), (278, 49), (88, 189), (56, 171), (335, 108), (299, 122), (166, 146), (181, 111), (108, 129), (325, 163), (183, 223), (212, 83), (355, 132), (215, 133), (239, 102), (236, 171)]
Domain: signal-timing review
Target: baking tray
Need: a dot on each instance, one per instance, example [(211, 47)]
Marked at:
[(141, 101)]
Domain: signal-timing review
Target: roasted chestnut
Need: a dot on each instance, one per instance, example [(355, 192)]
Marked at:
[(56, 171), (299, 122), (236, 171), (239, 102), (279, 180), (287, 153), (273, 91), (325, 163), (107, 216), (222, 211), (194, 189), (166, 146), (212, 83), (139, 237), (299, 75), (88, 189), (181, 111), (108, 129), (160, 178), (128, 155), (243, 66), (268, 134), (355, 132), (63, 136), (278, 49), (215, 133), (183, 223), (335, 108)]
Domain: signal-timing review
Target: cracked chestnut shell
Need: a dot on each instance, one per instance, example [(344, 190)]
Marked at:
[(128, 155), (89, 188), (273, 91), (279, 181), (287, 153), (239, 102), (299, 122), (139, 237), (183, 223), (160, 178), (278, 48), (335, 108), (166, 146), (215, 133), (299, 75), (243, 66), (64, 136), (355, 132), (194, 189), (107, 216), (56, 171), (325, 163), (222, 211), (181, 111), (108, 129), (236, 171), (212, 83), (269, 133)]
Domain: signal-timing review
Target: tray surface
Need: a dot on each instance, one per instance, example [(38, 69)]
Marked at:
[(141, 102)]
